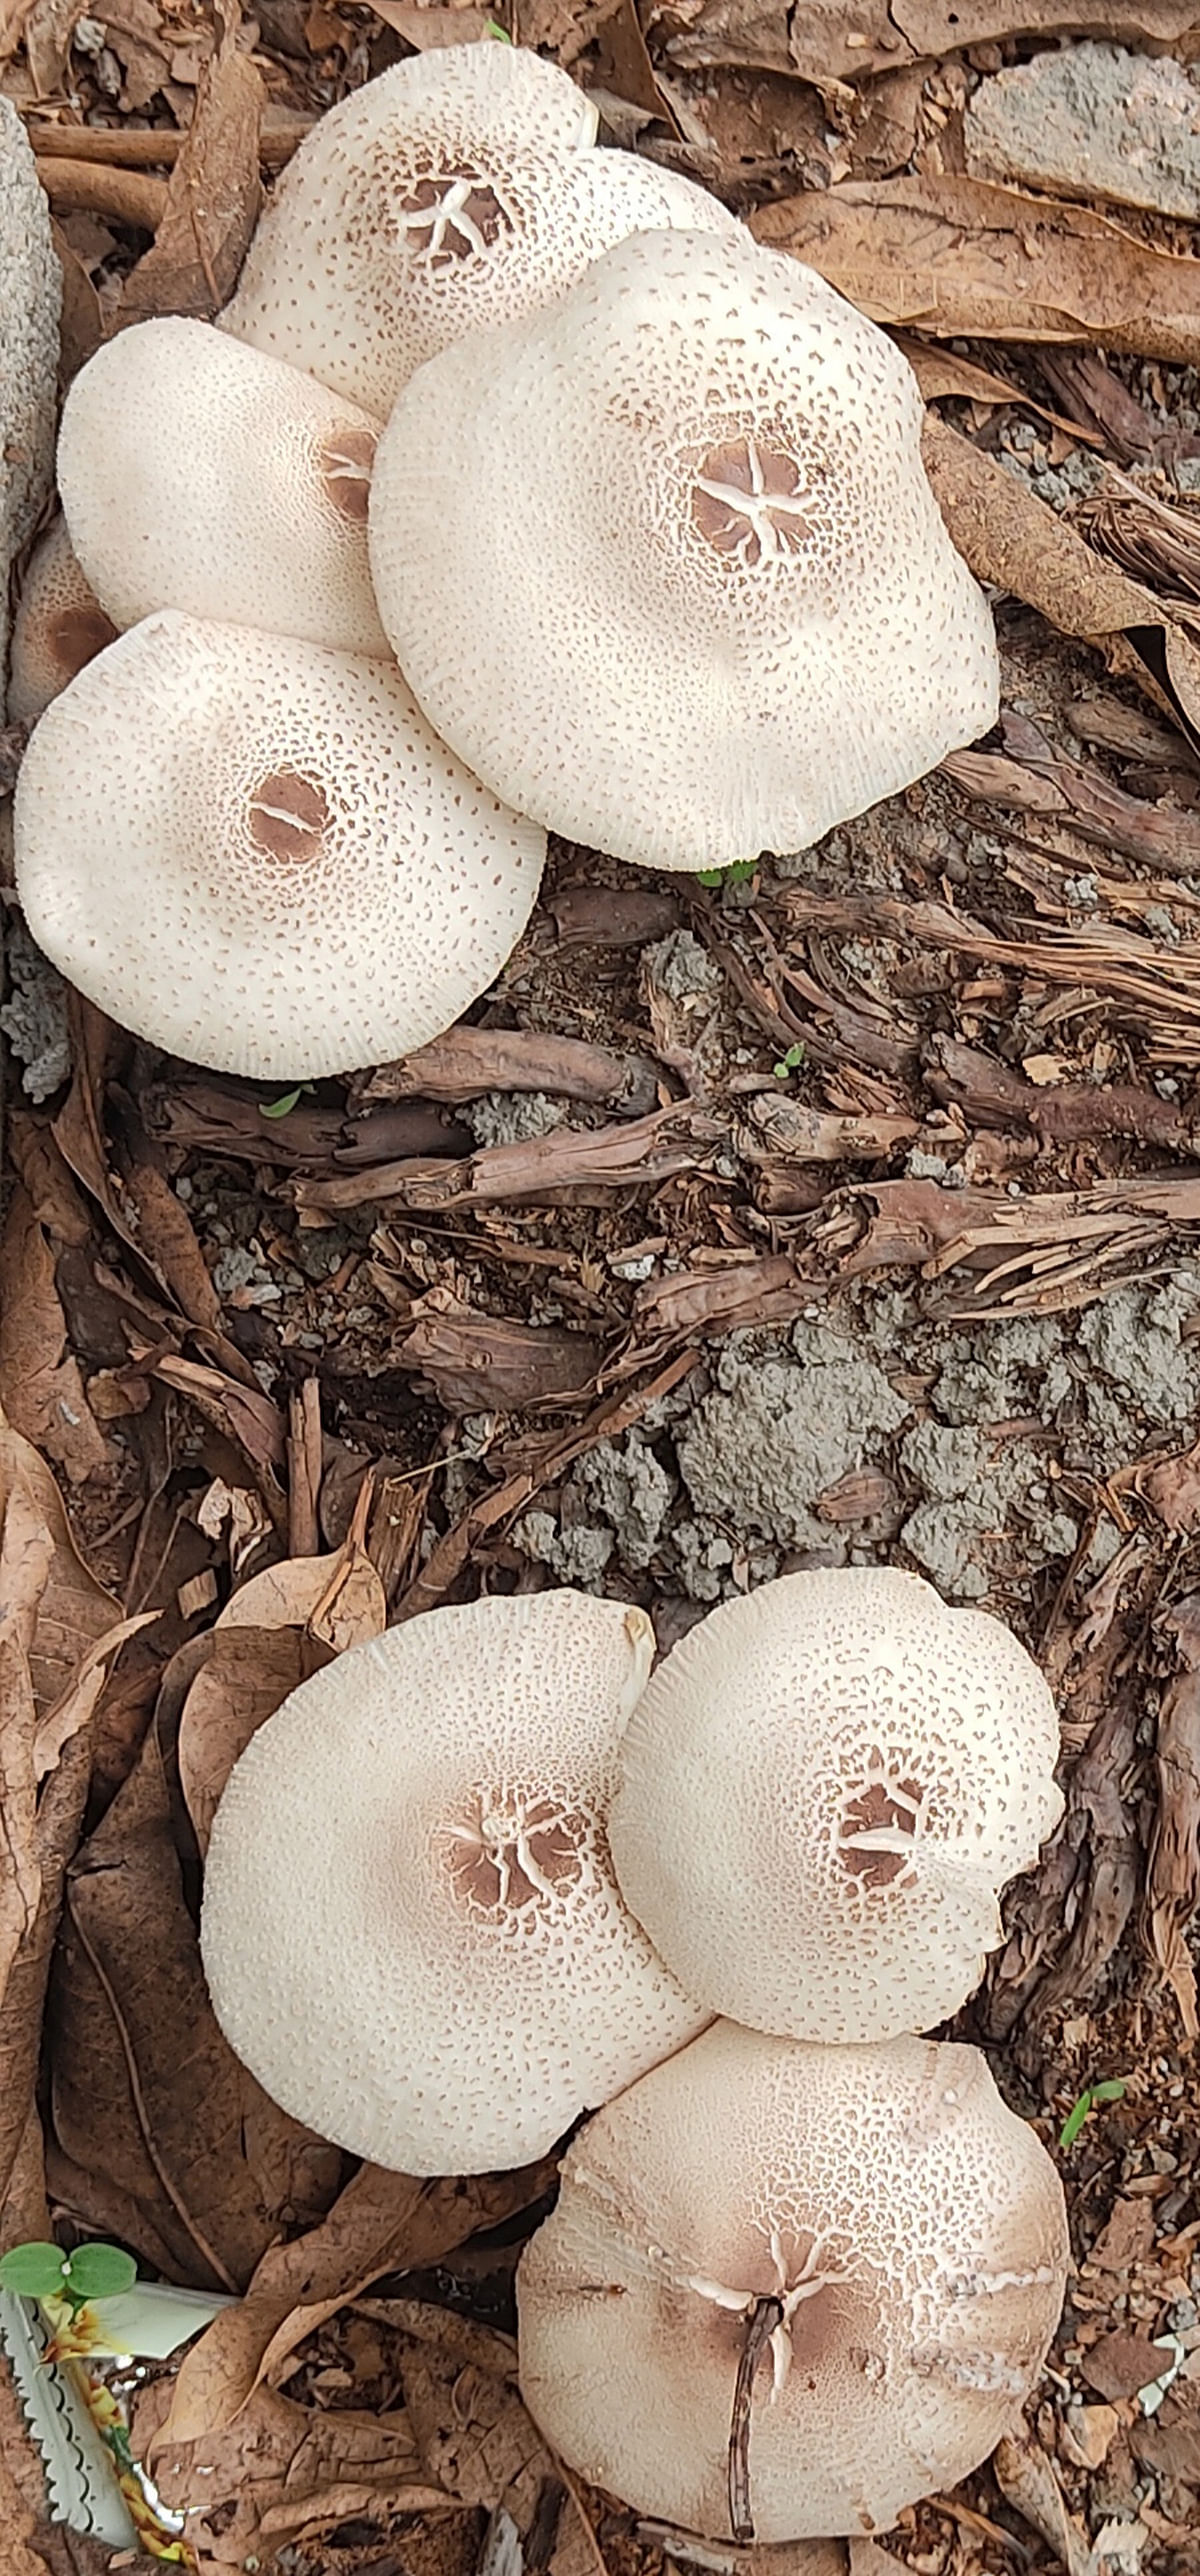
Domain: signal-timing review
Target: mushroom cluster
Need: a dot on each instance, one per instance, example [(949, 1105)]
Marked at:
[(486, 1873), (516, 490)]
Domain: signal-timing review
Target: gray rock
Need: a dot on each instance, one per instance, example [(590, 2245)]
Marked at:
[(34, 1017), (577, 1555), (758, 1452), (1093, 121), (513, 1117), (946, 1538), (627, 1486), (681, 966), (30, 302), (1134, 1339)]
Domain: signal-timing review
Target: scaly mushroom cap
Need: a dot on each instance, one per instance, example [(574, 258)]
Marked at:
[(663, 565), (411, 1930), (201, 475), (58, 627), (255, 853), (911, 2229), (454, 192), (823, 1790)]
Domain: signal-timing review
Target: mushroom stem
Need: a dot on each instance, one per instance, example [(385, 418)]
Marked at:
[(765, 2317)]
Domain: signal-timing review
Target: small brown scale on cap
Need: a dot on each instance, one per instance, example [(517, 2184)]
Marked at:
[(451, 213)]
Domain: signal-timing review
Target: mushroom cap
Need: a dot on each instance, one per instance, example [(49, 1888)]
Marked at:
[(411, 1931), (913, 2229), (822, 1792), (662, 561), (255, 853), (199, 474), (59, 625), (454, 192)]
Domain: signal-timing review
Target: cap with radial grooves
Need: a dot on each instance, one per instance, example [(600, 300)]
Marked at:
[(911, 2229), (823, 1790), (255, 853), (712, 608), (456, 191), (411, 1931), (200, 475)]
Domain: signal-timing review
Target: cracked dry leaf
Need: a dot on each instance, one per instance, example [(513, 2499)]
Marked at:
[(1173, 1876), (474, 2434), (278, 1629), (961, 258), (1016, 542), (831, 43), (56, 1624), (213, 196), (381, 2223), (281, 2473), (40, 1381), (163, 2139)]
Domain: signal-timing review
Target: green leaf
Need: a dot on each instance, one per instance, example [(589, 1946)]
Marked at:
[(737, 873), (1074, 2120), (1112, 2090), (791, 1062), (501, 34), (100, 2272), (280, 1108), (34, 2271), (709, 876)]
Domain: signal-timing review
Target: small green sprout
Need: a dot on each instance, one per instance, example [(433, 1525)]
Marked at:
[(791, 1062), (492, 27), (282, 1107), (1112, 2090), (45, 2272), (738, 872)]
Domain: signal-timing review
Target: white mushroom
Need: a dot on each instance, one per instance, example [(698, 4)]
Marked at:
[(662, 561), (411, 1931), (59, 625), (873, 2221), (201, 475), (255, 852), (823, 1791), (456, 191)]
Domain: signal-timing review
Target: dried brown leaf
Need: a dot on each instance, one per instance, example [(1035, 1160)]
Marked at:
[(832, 43), (469, 1061), (213, 197), (282, 2471), (960, 258), (382, 2223), (1173, 1875), (476, 1363), (569, 1166), (1027, 2478), (157, 2117), (40, 1383)]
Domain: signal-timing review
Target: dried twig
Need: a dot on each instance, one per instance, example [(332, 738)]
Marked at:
[(304, 1468), (761, 2322), (96, 188)]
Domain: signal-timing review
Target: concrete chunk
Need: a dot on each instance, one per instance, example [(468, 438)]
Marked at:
[(1093, 121), (29, 313)]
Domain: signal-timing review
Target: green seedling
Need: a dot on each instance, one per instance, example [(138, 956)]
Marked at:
[(1112, 2090), (287, 1101), (738, 872), (491, 27), (791, 1062), (45, 2272)]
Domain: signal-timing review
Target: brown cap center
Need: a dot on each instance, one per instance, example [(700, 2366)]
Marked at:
[(507, 1854), (345, 459), (751, 501), (454, 215), (878, 1831), (288, 815), (76, 635)]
